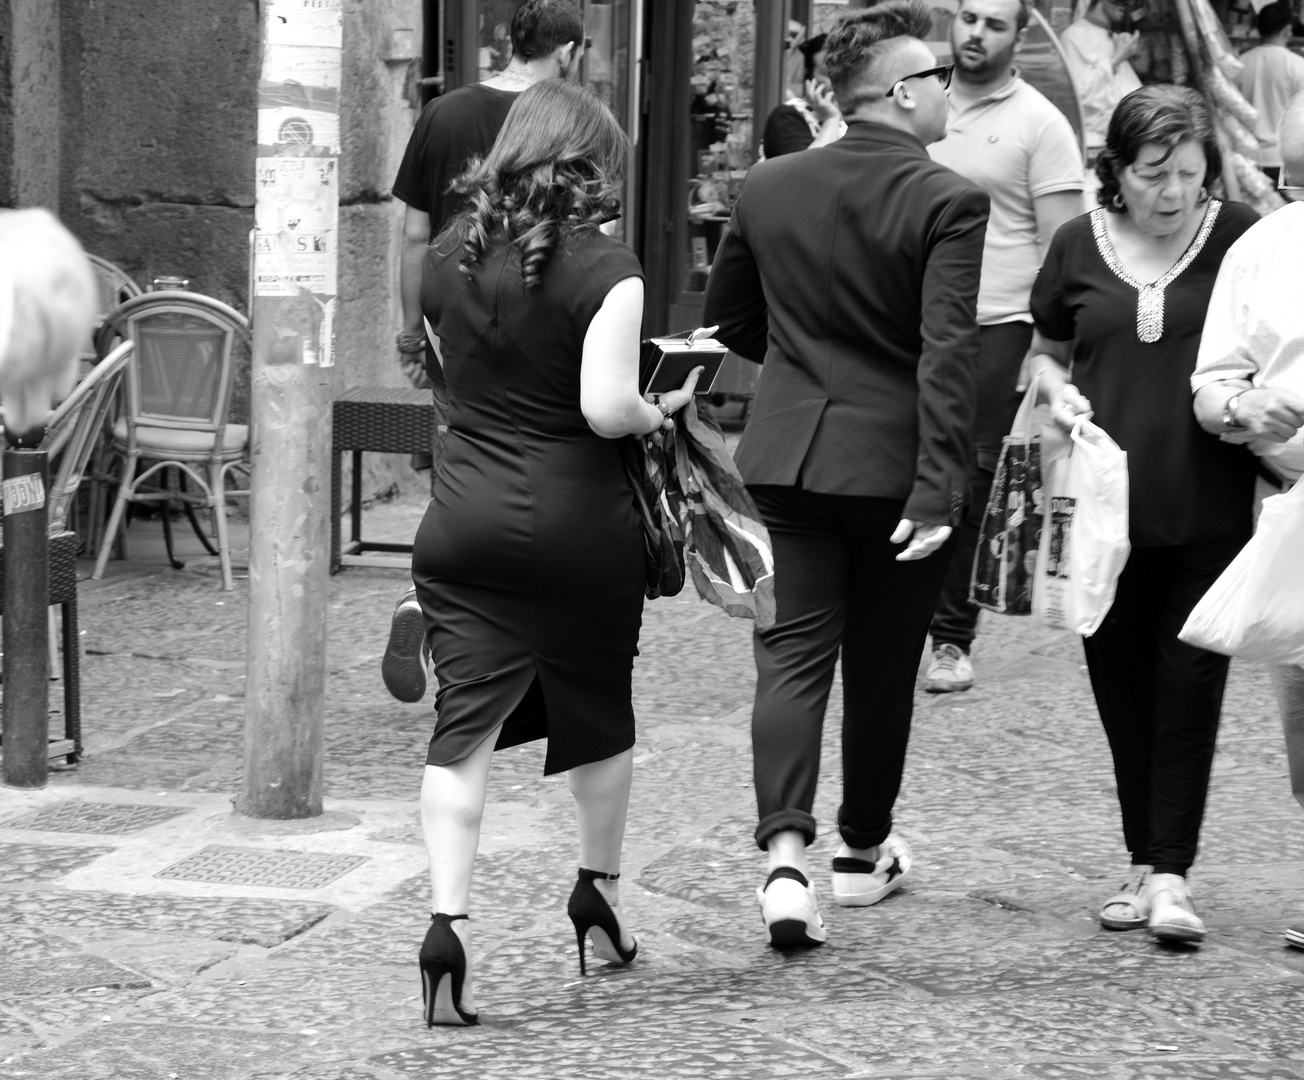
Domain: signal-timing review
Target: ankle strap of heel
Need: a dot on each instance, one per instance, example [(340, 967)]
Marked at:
[(439, 916), (591, 875)]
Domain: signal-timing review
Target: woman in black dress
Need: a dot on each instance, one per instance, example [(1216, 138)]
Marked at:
[(1120, 303), (529, 561)]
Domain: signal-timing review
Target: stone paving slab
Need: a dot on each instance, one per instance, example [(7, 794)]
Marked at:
[(999, 1030), (76, 816), (113, 769), (26, 863), (64, 973), (1266, 1018), (32, 942), (1202, 1070), (649, 1049), (237, 919), (156, 1052)]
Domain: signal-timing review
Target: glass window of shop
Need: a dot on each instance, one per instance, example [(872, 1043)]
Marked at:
[(720, 125), (606, 65)]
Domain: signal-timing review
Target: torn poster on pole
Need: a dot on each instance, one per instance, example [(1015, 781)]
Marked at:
[(297, 208)]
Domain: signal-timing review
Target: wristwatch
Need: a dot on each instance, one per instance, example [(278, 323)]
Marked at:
[(1229, 413)]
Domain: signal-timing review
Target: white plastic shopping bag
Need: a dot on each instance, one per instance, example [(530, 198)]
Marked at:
[(1084, 543), (1255, 609)]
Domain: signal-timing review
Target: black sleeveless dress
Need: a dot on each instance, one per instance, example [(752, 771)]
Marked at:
[(529, 561)]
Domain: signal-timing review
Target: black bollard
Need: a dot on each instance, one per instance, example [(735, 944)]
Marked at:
[(26, 603)]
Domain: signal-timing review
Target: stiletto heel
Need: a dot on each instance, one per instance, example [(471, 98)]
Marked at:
[(443, 974), (593, 917)]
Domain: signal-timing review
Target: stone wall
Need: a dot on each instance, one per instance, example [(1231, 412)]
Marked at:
[(136, 121), (29, 103)]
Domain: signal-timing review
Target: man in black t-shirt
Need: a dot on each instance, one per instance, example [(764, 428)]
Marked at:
[(547, 41)]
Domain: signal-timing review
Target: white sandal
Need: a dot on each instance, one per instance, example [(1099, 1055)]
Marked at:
[(1172, 914), (1134, 896)]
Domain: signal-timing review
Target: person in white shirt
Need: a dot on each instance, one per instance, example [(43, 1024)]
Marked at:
[(1271, 77), (1249, 379), (1007, 138), (1098, 61)]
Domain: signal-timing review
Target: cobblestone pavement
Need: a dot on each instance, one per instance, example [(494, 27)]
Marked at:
[(147, 932)]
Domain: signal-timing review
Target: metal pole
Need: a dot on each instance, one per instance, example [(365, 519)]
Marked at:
[(291, 392), (26, 603)]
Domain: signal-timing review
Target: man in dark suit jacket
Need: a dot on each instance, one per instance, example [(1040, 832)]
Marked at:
[(851, 271)]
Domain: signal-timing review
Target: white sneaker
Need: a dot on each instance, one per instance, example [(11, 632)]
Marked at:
[(950, 670), (858, 883), (1172, 915), (790, 909)]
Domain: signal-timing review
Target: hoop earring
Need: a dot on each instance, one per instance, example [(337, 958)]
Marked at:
[(1204, 194), (1117, 201)]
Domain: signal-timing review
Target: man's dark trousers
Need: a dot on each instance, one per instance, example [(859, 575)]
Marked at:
[(838, 587)]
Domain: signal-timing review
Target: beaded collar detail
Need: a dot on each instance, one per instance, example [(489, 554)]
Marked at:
[(1150, 296)]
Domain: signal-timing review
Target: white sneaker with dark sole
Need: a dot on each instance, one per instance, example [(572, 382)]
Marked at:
[(791, 910), (950, 671), (859, 883), (1295, 936)]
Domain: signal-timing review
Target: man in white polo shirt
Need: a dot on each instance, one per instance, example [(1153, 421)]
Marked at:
[(1097, 59), (1007, 138)]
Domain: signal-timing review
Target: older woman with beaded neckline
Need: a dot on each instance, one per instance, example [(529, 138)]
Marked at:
[(1119, 306)]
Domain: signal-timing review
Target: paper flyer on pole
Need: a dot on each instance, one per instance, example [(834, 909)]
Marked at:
[(297, 188)]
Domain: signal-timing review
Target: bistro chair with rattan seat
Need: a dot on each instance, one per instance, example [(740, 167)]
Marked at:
[(74, 428), (115, 284), (176, 400), (71, 434)]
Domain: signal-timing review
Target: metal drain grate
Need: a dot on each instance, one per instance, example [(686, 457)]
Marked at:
[(84, 817), (259, 866)]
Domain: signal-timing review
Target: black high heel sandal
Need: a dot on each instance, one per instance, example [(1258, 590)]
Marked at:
[(443, 974), (592, 915)]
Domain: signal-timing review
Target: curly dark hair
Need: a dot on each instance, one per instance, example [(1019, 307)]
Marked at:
[(1161, 114), (555, 170)]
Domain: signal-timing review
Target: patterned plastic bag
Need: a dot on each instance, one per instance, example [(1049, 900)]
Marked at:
[(1010, 533)]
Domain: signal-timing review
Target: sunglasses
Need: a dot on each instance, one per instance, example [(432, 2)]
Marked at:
[(942, 74), (1284, 186)]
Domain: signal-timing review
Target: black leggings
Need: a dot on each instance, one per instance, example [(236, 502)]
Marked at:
[(1160, 699)]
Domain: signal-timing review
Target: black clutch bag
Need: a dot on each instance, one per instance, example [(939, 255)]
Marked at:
[(665, 362)]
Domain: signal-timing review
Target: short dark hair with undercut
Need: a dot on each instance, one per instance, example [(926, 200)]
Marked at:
[(858, 41), (539, 26), (1273, 19)]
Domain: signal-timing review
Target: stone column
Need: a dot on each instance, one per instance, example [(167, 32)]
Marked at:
[(29, 83)]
